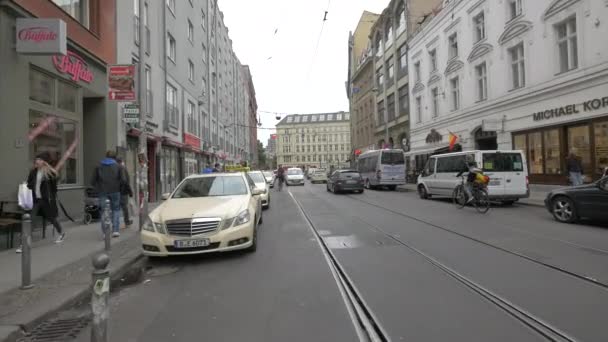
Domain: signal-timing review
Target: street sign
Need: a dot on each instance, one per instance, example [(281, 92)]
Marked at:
[(130, 113), (121, 82)]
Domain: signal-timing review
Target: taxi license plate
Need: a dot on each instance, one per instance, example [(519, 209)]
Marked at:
[(351, 182), (494, 182), (191, 243)]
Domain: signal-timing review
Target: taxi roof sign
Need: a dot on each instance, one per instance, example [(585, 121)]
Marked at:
[(236, 168)]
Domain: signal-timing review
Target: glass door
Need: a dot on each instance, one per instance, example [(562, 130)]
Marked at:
[(579, 143), (601, 147)]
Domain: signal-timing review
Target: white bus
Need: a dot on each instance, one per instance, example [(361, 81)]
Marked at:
[(382, 168)]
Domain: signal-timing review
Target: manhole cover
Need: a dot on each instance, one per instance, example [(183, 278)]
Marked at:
[(161, 271), (57, 330)]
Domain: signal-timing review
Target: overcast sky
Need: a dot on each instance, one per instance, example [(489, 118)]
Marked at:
[(287, 75)]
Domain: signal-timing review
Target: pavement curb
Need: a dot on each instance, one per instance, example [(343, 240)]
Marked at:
[(121, 260)]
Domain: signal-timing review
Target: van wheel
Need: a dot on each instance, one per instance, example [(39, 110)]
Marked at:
[(422, 192), (507, 203), (392, 187)]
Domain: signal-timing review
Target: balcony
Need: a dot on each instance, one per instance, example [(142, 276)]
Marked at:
[(136, 29), (149, 103)]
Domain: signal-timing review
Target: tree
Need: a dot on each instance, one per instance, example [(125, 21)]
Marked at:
[(261, 156)]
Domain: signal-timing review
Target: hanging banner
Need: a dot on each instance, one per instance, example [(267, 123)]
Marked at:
[(121, 82)]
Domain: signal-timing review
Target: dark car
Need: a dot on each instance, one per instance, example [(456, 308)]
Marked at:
[(345, 180), (584, 201)]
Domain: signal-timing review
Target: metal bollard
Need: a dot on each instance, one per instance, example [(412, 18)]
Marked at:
[(106, 224), (26, 252), (100, 298)]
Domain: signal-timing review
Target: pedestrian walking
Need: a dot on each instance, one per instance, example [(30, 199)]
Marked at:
[(125, 192), (217, 168), (107, 180), (575, 169), (42, 180), (142, 178)]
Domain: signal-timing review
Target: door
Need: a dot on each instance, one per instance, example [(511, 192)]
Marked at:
[(593, 201), (392, 165), (579, 144), (428, 175)]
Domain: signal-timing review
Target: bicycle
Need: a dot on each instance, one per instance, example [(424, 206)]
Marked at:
[(481, 201)]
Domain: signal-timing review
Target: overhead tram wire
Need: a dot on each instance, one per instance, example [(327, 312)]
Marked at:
[(314, 56)]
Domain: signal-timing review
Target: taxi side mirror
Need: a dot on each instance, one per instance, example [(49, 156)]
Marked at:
[(165, 196), (257, 192)]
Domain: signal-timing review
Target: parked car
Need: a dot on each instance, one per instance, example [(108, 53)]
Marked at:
[(214, 212), (508, 172), (269, 175), (294, 176), (345, 180), (588, 201), (319, 176), (260, 182), (310, 172)]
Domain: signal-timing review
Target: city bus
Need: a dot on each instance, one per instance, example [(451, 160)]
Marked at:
[(382, 168)]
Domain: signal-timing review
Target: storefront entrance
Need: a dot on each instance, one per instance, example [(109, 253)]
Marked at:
[(547, 149), (485, 140)]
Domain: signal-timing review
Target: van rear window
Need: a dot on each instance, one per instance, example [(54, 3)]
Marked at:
[(502, 162), (392, 158)]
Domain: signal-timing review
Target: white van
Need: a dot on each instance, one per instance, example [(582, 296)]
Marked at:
[(508, 172), (380, 168)]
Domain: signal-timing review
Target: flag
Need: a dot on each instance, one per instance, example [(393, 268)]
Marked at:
[(452, 138)]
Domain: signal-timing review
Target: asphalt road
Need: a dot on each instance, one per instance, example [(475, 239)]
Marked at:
[(329, 267)]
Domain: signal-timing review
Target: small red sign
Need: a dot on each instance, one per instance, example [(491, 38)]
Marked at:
[(273, 136), (121, 82), (73, 65), (192, 140)]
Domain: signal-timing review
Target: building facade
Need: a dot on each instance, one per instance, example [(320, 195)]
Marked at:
[(389, 48), (314, 140), (360, 85), (62, 108), (196, 96), (525, 75), (251, 112)]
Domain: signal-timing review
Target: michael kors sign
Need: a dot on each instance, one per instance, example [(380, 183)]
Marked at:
[(586, 106)]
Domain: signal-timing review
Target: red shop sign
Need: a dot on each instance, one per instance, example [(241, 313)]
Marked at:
[(192, 140), (73, 65)]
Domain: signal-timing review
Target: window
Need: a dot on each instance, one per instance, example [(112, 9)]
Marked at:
[(190, 71), (391, 107), (191, 119), (136, 21), (171, 5), (389, 33), (418, 109), (57, 139), (390, 69), (453, 45), (400, 19), (600, 130), (482, 82), (435, 101), (535, 150), (433, 60), (480, 27), (417, 72), (149, 95), (381, 112), (41, 88), (190, 31), (518, 74), (191, 4), (404, 101), (455, 89), (380, 79), (553, 160), (171, 46), (514, 8), (567, 45), (67, 96), (203, 19), (403, 57), (172, 111), (204, 53), (78, 9)]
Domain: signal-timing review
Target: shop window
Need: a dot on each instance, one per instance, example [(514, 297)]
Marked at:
[(519, 143), (67, 96), (59, 137), (601, 146), (535, 150), (41, 87), (78, 9), (553, 160), (579, 144)]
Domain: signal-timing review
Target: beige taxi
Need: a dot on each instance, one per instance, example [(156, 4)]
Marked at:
[(214, 212)]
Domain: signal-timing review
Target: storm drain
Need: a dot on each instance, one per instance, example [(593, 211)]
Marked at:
[(57, 330)]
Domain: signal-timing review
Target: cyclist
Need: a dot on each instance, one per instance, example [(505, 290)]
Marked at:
[(474, 175), (280, 177)]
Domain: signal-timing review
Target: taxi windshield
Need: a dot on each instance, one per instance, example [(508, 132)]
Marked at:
[(211, 186)]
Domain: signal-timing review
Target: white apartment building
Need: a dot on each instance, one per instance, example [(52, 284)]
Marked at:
[(314, 140), (513, 74)]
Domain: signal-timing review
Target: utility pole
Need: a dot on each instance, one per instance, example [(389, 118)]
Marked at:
[(143, 137)]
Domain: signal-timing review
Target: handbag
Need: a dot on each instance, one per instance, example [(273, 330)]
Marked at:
[(24, 197)]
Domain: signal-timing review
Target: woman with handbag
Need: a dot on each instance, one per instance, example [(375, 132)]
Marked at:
[(42, 180)]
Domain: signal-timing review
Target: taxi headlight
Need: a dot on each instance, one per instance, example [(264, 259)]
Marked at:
[(242, 218), (148, 225), (227, 223)]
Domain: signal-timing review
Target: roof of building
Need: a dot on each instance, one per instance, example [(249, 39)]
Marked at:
[(314, 118)]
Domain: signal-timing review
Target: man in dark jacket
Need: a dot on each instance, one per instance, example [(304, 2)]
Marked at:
[(107, 180), (125, 192)]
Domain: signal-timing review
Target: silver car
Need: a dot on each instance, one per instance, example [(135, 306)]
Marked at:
[(260, 183)]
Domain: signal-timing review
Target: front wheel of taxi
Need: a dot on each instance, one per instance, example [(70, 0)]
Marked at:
[(254, 241)]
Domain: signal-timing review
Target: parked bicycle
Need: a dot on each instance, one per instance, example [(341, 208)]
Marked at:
[(479, 191)]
